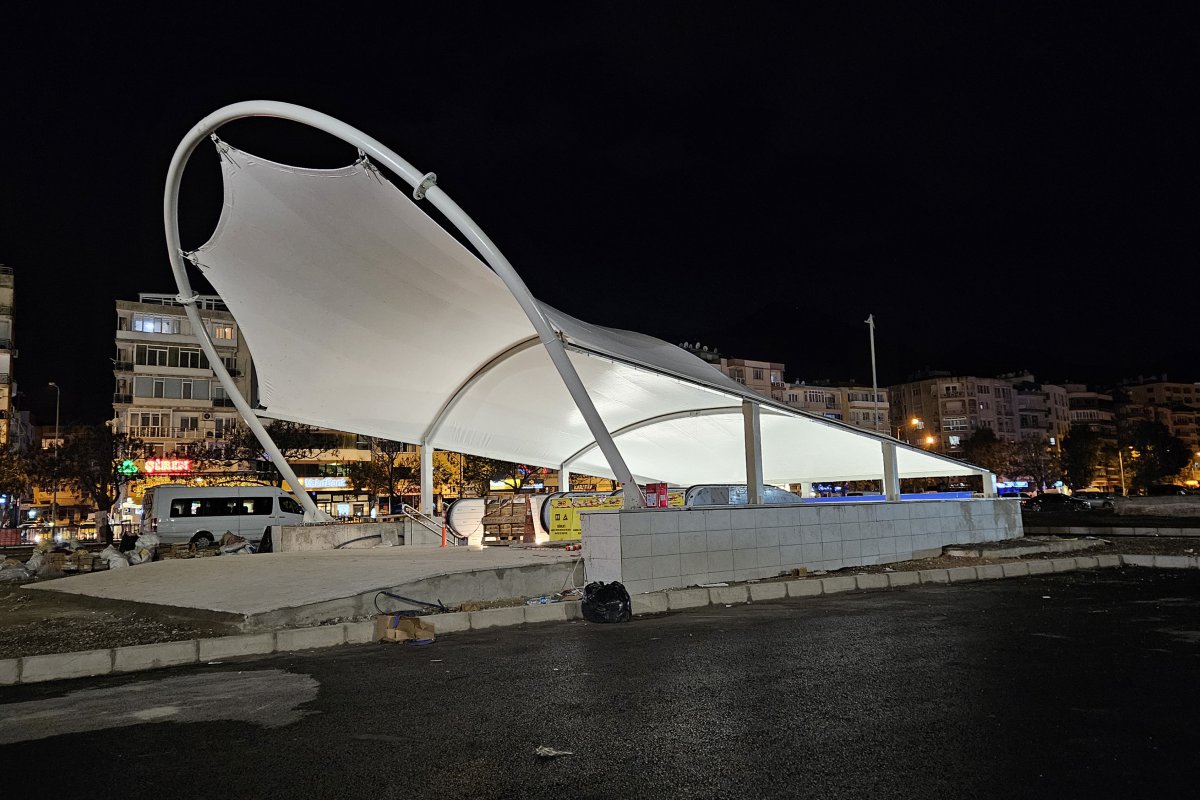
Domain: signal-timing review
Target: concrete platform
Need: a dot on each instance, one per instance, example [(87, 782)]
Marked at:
[(273, 590)]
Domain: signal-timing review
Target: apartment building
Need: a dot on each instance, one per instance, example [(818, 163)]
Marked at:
[(8, 353), (166, 393), (940, 411), (1092, 409), (1043, 409), (1175, 405), (168, 396), (844, 401)]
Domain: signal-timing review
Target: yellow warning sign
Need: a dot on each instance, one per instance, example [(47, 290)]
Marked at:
[(564, 512)]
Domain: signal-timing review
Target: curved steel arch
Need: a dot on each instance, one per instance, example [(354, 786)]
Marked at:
[(648, 421), (424, 185), (475, 377)]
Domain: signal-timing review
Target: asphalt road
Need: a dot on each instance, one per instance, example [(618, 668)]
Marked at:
[(1072, 685)]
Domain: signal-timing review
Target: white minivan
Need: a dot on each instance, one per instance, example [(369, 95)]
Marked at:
[(203, 514)]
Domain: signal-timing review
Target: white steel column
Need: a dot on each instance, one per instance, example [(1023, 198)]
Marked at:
[(564, 478), (427, 480), (554, 346), (754, 465), (891, 473), (989, 484)]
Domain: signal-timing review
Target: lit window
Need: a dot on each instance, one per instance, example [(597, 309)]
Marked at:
[(955, 441), (224, 332)]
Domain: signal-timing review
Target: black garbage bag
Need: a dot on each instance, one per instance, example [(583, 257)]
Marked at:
[(606, 602)]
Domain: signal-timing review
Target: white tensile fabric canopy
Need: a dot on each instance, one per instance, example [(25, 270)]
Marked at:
[(365, 315)]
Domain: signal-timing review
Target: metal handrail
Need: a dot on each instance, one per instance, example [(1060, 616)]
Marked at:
[(429, 522)]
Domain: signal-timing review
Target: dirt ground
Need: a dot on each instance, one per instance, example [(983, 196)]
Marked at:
[(34, 623)]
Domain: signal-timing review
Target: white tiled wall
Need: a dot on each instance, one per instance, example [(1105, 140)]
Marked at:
[(654, 549)]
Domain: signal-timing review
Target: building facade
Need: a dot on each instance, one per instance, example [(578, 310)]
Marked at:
[(166, 393), (844, 401), (8, 354), (940, 411)]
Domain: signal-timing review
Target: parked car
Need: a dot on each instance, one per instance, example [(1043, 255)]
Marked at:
[(1165, 489), (1101, 500), (1053, 502)]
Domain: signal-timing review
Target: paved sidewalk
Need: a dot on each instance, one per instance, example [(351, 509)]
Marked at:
[(257, 584)]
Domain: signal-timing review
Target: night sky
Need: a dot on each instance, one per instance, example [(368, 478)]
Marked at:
[(1009, 188)]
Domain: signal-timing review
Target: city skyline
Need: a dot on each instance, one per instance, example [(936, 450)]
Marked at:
[(983, 184)]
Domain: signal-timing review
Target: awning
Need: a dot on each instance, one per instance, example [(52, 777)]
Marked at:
[(363, 314)]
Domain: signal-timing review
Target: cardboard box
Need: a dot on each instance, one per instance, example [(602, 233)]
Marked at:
[(394, 628)]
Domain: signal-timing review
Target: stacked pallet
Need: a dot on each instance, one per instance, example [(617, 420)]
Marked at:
[(505, 518)]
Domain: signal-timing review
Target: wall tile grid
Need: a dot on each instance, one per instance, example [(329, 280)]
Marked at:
[(661, 549)]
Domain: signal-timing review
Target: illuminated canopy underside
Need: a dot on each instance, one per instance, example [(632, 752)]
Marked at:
[(365, 315)]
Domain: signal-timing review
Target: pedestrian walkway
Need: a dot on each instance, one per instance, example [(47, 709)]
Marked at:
[(270, 590)]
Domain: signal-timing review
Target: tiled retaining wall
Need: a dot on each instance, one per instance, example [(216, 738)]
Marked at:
[(654, 549)]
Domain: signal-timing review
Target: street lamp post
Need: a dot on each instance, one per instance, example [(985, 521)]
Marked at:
[(914, 423), (870, 320), (54, 487)]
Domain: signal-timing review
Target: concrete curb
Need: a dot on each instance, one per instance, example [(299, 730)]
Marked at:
[(137, 658), (141, 657)]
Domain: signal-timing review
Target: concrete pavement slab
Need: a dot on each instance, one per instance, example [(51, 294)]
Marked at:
[(10, 671), (272, 590)]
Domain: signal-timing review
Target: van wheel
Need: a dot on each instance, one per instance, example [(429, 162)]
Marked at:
[(202, 539)]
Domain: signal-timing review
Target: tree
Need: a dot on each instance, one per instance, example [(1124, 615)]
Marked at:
[(1156, 454), (479, 472), (1083, 451), (1033, 459), (89, 462), (384, 473), (296, 441), (14, 479), (983, 448)]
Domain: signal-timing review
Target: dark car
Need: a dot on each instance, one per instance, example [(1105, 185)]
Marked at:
[(1054, 502), (1165, 489)]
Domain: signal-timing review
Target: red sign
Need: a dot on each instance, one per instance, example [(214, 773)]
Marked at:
[(168, 466)]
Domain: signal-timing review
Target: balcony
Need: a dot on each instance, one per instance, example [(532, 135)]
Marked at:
[(167, 432), (222, 402), (122, 366), (122, 399)]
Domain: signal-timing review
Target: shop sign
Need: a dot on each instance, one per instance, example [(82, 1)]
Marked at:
[(167, 466), (325, 483)]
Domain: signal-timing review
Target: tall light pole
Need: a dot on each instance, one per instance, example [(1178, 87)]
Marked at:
[(870, 320), (54, 489)]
